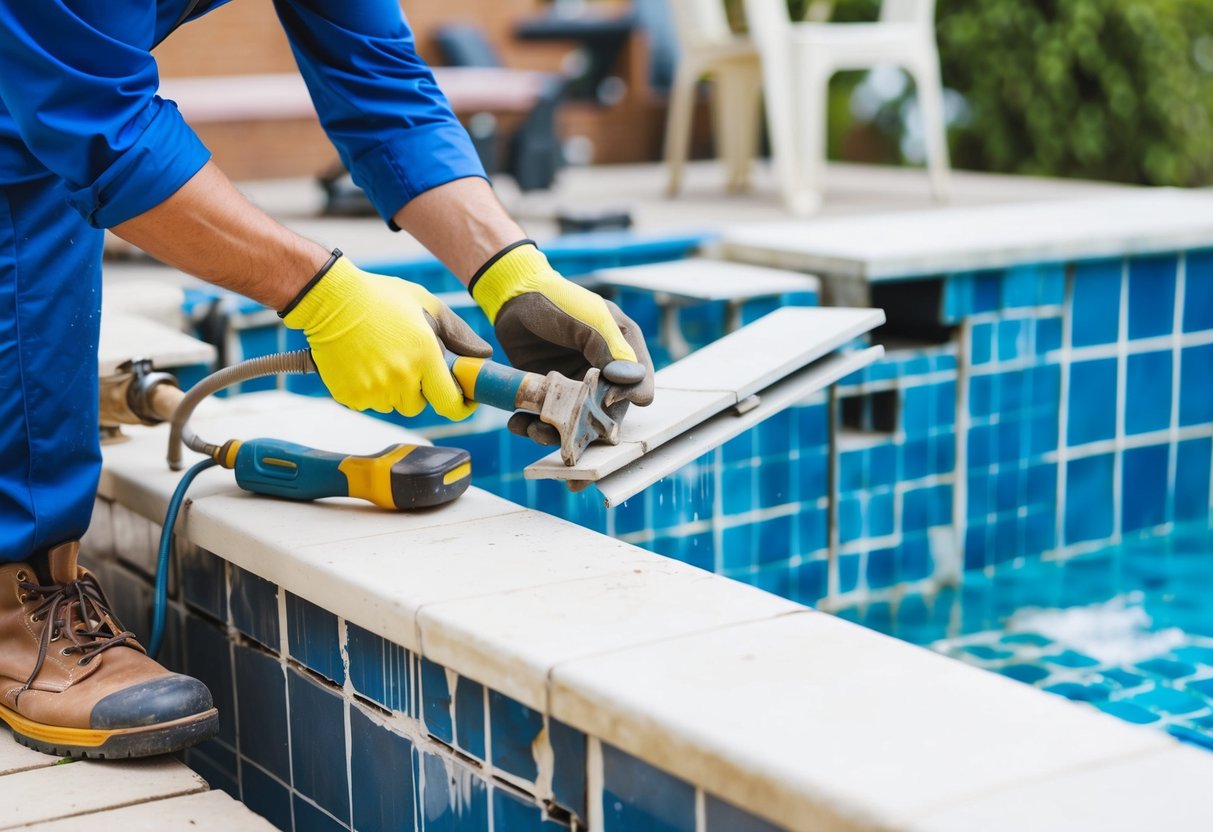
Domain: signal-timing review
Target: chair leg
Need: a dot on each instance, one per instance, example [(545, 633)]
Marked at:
[(930, 104), (737, 92), (678, 123), (805, 191), (779, 101)]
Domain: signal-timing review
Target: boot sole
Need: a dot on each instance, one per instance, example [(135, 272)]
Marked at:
[(115, 743)]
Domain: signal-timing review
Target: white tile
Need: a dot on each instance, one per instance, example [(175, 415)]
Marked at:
[(817, 723), (202, 812), (125, 336), (971, 237), (84, 787), (512, 640), (1164, 789), (15, 757), (701, 279)]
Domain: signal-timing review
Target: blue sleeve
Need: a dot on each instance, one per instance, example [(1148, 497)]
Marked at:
[(377, 99), (80, 83)]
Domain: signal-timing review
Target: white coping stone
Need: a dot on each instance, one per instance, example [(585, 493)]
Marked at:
[(15, 757), (907, 244), (699, 279), (518, 637), (129, 336), (740, 364), (820, 724), (212, 811), (1165, 789), (84, 787)]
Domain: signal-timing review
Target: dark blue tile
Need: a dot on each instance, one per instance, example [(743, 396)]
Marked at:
[(1045, 382), (942, 451), (265, 795), (1042, 484), (436, 701), (1010, 436), (1148, 392), (812, 424), (381, 775), (1051, 290), (1152, 296), (208, 658), (637, 797), (813, 528), (774, 484), (1043, 431), (882, 568), (774, 435), (916, 510), (254, 605), (775, 539), (313, 639), (469, 717), (848, 572), (261, 686), (451, 799), (1088, 498), (379, 670), (1144, 501), (917, 403), (812, 473), (725, 817), (1092, 401), (1012, 339), (914, 560), (696, 549), (981, 445), (310, 819), (812, 581), (629, 516), (737, 546), (215, 764), (850, 470), (982, 343), (1195, 391), (203, 580), (944, 414), (916, 459), (1007, 490), (513, 814), (568, 780), (1048, 335), (987, 290), (850, 519), (880, 514), (737, 481), (1019, 287), (1096, 303), (318, 744), (1192, 464), (514, 727), (1198, 292)]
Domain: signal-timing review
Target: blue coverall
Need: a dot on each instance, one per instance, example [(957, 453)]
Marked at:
[(85, 144)]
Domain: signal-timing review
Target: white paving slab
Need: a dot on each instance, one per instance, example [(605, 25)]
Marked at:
[(126, 336), (698, 279), (1164, 789), (85, 787), (820, 724), (211, 811), (516, 638), (877, 246), (15, 757)]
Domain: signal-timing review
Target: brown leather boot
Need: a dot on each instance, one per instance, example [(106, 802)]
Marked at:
[(74, 682)]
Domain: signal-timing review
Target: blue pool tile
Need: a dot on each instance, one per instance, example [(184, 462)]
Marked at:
[(1198, 292), (737, 545), (514, 727), (1191, 736), (774, 539), (879, 514), (1195, 391), (312, 636), (310, 819), (1168, 701), (882, 465), (917, 404), (1079, 692), (1043, 431), (1029, 673), (986, 652), (436, 701), (850, 470), (1124, 679), (469, 717), (987, 287), (1152, 296), (1089, 498), (1195, 654), (379, 669), (1192, 463), (1204, 686), (1007, 489), (981, 445), (1040, 532), (774, 435), (381, 775), (983, 344), (812, 528), (1127, 711), (916, 509), (882, 568), (1012, 339), (774, 484), (637, 797), (1070, 658), (629, 516), (216, 764), (1028, 638), (1019, 287), (568, 779), (812, 474), (318, 756), (265, 795), (1092, 401), (977, 544), (811, 424), (1144, 503), (1167, 668), (1148, 392), (981, 395), (914, 560), (957, 297), (850, 519), (451, 800), (203, 580), (1096, 302), (1042, 484), (261, 686), (254, 605), (812, 581), (1048, 335), (725, 817), (696, 550), (916, 459), (208, 658), (513, 814), (848, 572)]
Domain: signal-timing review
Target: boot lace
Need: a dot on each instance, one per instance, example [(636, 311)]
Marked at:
[(79, 611)]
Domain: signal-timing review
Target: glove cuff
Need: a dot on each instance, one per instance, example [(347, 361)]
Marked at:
[(307, 287), (508, 273), (324, 292)]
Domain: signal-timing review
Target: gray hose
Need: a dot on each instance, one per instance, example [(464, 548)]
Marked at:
[(299, 361)]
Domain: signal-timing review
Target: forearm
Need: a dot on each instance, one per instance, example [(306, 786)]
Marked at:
[(208, 229), (462, 223)]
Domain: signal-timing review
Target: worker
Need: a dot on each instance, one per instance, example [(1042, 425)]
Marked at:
[(85, 145)]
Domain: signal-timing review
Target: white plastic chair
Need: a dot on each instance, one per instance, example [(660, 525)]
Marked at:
[(707, 46), (798, 60)]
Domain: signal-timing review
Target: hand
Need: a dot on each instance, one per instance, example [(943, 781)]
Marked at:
[(546, 323), (378, 341)]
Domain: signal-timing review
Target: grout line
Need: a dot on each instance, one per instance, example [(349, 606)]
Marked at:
[(1181, 291), (1122, 371)]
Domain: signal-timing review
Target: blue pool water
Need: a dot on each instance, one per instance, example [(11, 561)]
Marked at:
[(1127, 630)]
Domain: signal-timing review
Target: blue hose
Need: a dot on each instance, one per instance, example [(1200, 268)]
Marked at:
[(160, 598)]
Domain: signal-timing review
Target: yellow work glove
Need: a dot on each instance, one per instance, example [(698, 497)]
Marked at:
[(378, 341), (545, 322)]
